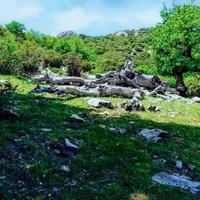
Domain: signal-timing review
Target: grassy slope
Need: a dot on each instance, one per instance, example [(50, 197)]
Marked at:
[(107, 166)]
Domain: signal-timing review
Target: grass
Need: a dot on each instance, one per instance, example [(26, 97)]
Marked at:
[(107, 166)]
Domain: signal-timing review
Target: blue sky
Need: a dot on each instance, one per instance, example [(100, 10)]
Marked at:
[(91, 17)]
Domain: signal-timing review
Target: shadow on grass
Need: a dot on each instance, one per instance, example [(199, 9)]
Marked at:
[(107, 166)]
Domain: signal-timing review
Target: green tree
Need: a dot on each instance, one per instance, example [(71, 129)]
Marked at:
[(30, 58), (176, 42), (16, 28)]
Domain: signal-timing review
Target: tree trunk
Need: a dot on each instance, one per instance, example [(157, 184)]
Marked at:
[(180, 85)]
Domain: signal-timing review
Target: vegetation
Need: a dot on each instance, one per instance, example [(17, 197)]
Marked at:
[(176, 43), (107, 166)]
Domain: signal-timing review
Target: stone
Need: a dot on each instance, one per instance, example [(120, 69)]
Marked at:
[(179, 164), (46, 129), (98, 103), (70, 146), (76, 119), (153, 109), (132, 105), (196, 99), (159, 90), (65, 168), (152, 135), (176, 180), (118, 131)]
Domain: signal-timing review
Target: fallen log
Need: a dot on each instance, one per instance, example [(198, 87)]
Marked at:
[(99, 91)]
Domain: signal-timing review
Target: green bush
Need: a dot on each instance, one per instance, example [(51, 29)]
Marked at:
[(192, 81)]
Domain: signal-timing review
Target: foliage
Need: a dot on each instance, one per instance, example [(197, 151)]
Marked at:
[(6, 93), (193, 83), (176, 40), (74, 64), (8, 48), (16, 28), (30, 58)]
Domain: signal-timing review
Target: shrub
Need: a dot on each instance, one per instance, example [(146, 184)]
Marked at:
[(52, 59), (193, 84)]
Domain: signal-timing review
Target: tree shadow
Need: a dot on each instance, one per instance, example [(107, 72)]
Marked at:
[(107, 165)]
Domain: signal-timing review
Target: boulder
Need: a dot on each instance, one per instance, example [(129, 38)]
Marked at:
[(98, 103), (152, 135), (65, 168), (176, 180)]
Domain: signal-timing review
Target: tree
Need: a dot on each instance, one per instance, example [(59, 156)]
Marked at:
[(16, 28), (75, 64), (175, 42), (29, 58)]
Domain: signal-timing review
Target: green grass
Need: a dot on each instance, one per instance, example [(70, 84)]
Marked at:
[(107, 166)]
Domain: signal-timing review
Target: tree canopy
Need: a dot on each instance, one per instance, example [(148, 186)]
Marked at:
[(176, 42)]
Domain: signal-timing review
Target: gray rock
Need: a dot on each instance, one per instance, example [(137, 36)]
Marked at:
[(179, 164), (98, 103), (152, 135), (65, 168), (196, 99), (132, 105), (153, 109), (46, 129), (67, 34), (69, 145), (176, 180), (118, 131), (76, 119)]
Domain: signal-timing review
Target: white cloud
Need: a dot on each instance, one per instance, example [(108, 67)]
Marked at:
[(79, 18), (18, 10), (75, 19)]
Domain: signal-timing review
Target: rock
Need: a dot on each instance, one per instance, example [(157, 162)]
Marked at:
[(196, 99), (121, 33), (98, 103), (76, 119), (70, 146), (46, 129), (179, 164), (153, 109), (67, 34), (118, 131), (65, 168), (132, 105), (177, 180), (55, 190), (152, 135), (7, 114)]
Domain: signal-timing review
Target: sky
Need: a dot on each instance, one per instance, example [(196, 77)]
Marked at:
[(90, 17)]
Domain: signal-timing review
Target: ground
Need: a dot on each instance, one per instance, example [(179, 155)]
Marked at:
[(107, 166)]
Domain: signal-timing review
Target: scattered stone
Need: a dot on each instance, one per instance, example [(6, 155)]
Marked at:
[(46, 129), (65, 168), (76, 119), (152, 135), (6, 114), (179, 164), (118, 131), (70, 146), (98, 103), (102, 126), (177, 180), (153, 109), (196, 99), (132, 105)]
